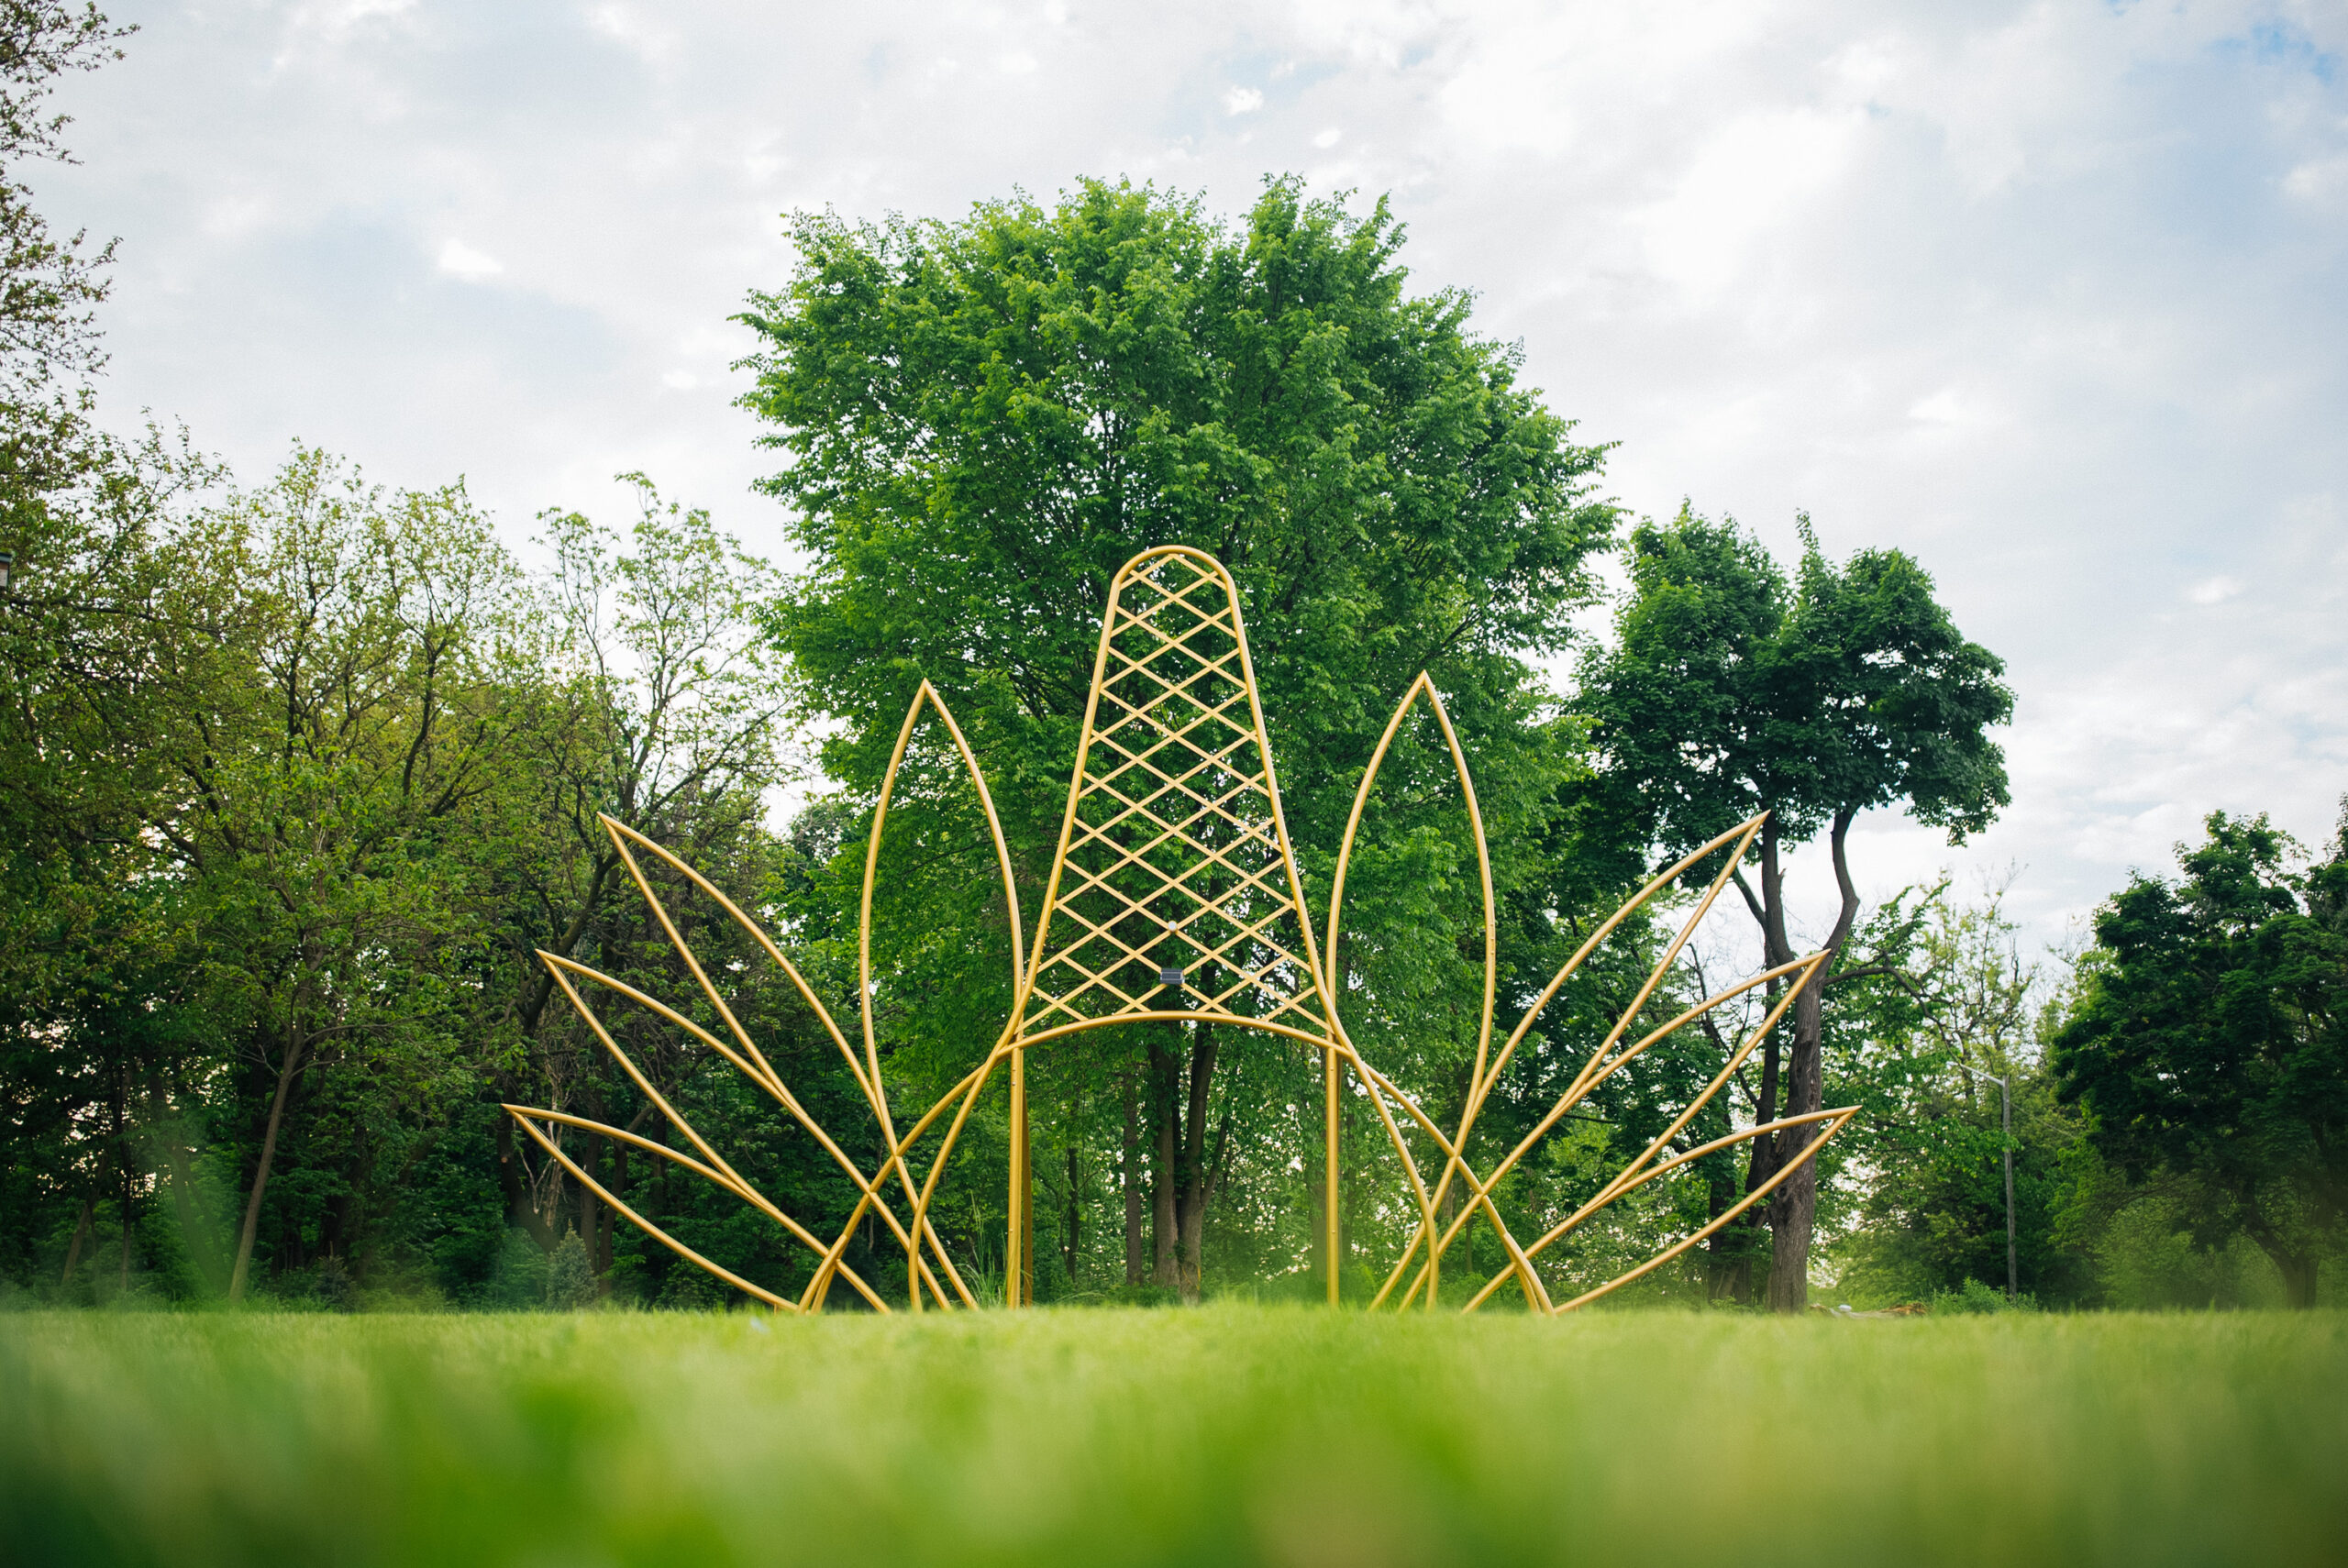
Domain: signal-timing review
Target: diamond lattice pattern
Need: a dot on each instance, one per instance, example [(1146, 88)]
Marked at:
[(1174, 859)]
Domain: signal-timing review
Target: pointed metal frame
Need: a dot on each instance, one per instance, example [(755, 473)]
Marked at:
[(1173, 846)]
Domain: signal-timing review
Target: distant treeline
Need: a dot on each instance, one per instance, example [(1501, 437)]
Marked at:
[(297, 779)]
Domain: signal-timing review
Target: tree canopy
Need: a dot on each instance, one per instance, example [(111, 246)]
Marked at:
[(2209, 1039), (983, 419)]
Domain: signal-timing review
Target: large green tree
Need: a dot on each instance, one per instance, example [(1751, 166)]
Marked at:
[(1733, 689), (983, 419), (2209, 1039), (337, 721)]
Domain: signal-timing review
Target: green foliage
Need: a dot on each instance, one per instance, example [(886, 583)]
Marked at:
[(2147, 1255), (520, 1277), (1231, 1435), (1937, 988), (49, 288), (1975, 1300), (298, 778), (1731, 690), (985, 420), (571, 1274), (982, 422), (2207, 1042), (332, 783)]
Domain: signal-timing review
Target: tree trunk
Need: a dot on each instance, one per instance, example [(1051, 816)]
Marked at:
[(1075, 1205), (1720, 1258), (2297, 1265), (1197, 1178), (285, 1075), (1129, 1178), (611, 1215), (589, 1220), (196, 1226), (2298, 1277), (125, 1236), (1762, 1160), (1165, 1112), (1793, 1208), (81, 1234), (122, 1167), (519, 1208)]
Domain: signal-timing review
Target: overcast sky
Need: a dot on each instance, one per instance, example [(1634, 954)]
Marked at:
[(2054, 297)]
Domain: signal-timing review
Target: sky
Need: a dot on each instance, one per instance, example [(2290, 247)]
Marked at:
[(2053, 296)]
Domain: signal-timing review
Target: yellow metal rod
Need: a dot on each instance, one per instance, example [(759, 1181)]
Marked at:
[(1014, 1271), (1331, 1221)]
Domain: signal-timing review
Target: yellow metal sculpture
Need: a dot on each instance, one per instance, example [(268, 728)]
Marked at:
[(1174, 896)]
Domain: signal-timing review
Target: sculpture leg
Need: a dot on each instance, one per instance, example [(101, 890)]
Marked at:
[(1329, 1070), (1014, 1251)]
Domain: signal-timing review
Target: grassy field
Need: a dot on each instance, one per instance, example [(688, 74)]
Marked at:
[(1225, 1435)]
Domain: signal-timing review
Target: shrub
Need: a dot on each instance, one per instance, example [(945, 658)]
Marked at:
[(570, 1276), (518, 1279), (1977, 1296)]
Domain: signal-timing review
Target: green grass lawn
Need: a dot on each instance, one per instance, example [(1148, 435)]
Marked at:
[(1224, 1435)]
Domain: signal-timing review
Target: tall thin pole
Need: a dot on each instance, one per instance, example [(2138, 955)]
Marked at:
[(2006, 1102), (1014, 1270), (2006, 1115), (1331, 1227)]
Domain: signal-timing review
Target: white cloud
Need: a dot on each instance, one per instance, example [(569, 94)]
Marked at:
[(2051, 295), (657, 45), (462, 260), (235, 217), (334, 16), (1946, 406), (2321, 182), (1752, 178), (2214, 590)]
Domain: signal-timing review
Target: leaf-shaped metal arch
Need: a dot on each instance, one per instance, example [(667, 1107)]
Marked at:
[(1424, 687), (746, 1058), (1487, 1070), (1225, 798)]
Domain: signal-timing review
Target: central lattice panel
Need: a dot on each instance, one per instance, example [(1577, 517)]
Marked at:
[(1174, 888)]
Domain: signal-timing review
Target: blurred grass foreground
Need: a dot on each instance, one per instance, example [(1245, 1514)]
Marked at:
[(1227, 1435)]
